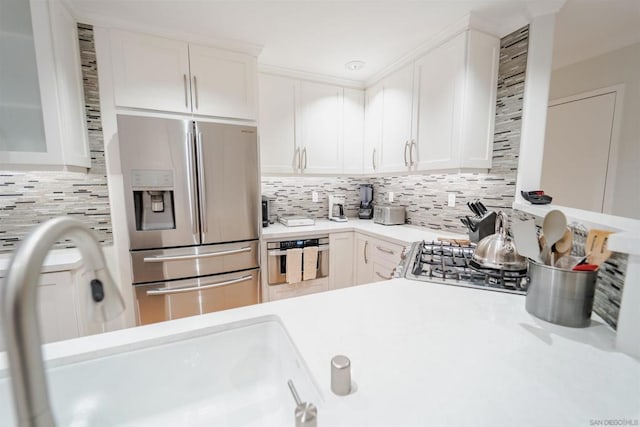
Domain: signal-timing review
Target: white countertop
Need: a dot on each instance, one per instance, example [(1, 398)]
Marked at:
[(401, 234), (56, 260), (428, 354)]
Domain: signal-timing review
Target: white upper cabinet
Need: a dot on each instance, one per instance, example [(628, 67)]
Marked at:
[(481, 87), (223, 83), (440, 85), (150, 72), (353, 131), (456, 85), (372, 128), (42, 118), (277, 112), (308, 127), (320, 128), (154, 73), (397, 109)]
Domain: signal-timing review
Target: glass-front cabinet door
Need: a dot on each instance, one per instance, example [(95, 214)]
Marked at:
[(42, 119)]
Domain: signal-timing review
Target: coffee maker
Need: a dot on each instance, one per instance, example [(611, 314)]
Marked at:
[(336, 208), (366, 201)]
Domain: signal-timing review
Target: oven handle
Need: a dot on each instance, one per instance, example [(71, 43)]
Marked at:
[(195, 256), (165, 291), (276, 252)]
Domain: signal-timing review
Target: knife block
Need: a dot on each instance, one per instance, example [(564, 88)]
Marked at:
[(485, 226)]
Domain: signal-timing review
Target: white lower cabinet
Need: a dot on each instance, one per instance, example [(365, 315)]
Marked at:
[(375, 259), (341, 260)]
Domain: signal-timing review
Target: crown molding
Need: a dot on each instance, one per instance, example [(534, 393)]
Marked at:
[(309, 76), (114, 23)]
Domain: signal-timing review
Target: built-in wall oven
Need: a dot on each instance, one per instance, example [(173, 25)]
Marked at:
[(277, 285)]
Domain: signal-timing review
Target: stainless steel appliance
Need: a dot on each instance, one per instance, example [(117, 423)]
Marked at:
[(365, 211), (389, 215), (451, 264), (336, 208), (277, 258), (191, 197)]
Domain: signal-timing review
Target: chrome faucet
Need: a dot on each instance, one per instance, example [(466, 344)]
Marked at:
[(18, 300)]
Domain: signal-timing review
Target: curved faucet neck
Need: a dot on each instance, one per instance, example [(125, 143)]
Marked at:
[(18, 300)]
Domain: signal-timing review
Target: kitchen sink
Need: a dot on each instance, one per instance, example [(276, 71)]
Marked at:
[(231, 375)]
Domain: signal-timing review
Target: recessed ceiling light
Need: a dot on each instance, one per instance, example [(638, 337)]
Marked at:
[(354, 65)]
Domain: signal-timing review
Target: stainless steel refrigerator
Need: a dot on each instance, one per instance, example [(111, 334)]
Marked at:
[(192, 203)]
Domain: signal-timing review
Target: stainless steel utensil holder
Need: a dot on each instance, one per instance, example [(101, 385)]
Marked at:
[(563, 297)]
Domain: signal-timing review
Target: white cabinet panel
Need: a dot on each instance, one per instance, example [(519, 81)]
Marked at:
[(481, 86), (277, 107), (222, 83), (373, 128), (439, 81), (363, 262), (353, 115), (150, 72), (397, 109), (321, 126), (56, 305), (341, 260)]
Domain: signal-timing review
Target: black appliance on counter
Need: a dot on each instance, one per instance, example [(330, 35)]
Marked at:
[(365, 211), (265, 211)]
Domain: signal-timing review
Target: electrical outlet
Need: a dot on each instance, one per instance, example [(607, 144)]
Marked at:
[(314, 196), (452, 200), (390, 196)]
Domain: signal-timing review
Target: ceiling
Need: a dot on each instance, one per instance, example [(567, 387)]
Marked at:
[(317, 36), (587, 28)]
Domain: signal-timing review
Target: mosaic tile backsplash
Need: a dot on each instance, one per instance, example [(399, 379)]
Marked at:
[(29, 198)]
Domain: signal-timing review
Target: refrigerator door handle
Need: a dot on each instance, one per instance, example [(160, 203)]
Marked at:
[(165, 291), (191, 178), (195, 256), (203, 187)]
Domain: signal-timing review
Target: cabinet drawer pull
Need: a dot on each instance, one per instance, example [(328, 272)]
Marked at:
[(413, 143), (382, 276), (165, 291), (385, 250), (304, 155)]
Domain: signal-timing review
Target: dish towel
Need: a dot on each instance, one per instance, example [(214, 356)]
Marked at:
[(294, 265), (310, 263)]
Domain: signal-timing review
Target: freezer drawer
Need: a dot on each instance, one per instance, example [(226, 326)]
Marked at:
[(157, 302), (178, 263)]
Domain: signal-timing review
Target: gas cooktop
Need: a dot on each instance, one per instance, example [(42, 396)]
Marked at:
[(451, 264)]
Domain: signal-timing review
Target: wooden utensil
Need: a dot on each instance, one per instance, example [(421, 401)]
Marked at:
[(563, 246), (461, 242), (596, 246)]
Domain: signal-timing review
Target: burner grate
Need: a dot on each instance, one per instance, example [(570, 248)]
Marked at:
[(451, 263)]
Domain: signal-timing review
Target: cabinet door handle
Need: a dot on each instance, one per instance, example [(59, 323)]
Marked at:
[(406, 145), (382, 276), (296, 159), (195, 89), (373, 159), (186, 92), (304, 155), (411, 152), (364, 252), (385, 250)]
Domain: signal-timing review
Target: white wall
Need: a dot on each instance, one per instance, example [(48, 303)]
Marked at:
[(617, 67)]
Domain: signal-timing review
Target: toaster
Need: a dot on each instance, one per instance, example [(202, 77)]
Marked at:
[(388, 215)]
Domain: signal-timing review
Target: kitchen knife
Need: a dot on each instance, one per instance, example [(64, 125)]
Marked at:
[(473, 209), (482, 207), (473, 227)]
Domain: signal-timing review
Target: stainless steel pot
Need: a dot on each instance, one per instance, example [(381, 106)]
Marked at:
[(498, 251)]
